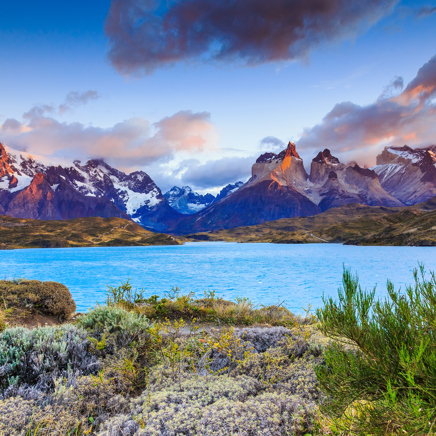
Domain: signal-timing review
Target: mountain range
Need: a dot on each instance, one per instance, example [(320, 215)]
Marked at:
[(188, 202), (279, 187)]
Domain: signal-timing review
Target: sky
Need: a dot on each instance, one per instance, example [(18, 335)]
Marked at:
[(193, 91)]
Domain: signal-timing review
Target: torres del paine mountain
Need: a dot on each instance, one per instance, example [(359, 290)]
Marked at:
[(279, 187)]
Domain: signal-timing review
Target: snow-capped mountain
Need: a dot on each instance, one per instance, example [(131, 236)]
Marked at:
[(227, 190), (35, 187), (186, 201), (408, 174)]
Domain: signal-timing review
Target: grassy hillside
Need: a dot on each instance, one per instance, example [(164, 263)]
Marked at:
[(350, 224), (80, 232)]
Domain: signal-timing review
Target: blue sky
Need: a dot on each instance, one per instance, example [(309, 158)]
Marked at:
[(49, 49)]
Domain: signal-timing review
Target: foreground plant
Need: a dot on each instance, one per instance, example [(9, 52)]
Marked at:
[(380, 372)]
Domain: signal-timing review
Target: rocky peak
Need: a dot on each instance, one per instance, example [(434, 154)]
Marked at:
[(291, 151), (322, 165), (325, 157), (366, 172)]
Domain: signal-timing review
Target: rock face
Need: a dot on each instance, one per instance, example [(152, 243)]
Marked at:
[(280, 188), (273, 192), (186, 201), (32, 187), (408, 174)]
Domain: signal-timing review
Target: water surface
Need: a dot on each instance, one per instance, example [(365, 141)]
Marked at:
[(265, 273)]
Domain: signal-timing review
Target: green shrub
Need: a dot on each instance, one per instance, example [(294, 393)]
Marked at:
[(2, 320), (125, 327), (37, 357), (380, 373), (50, 298)]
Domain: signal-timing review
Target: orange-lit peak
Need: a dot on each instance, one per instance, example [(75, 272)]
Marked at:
[(292, 150)]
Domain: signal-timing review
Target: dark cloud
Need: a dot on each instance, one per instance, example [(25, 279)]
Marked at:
[(359, 132), (148, 34), (75, 98), (426, 11), (216, 173), (271, 143)]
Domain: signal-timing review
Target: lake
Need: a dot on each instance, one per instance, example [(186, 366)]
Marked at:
[(265, 273)]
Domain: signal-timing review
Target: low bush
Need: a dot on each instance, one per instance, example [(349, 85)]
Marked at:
[(209, 308), (38, 357), (27, 417), (49, 298), (126, 328), (379, 373)]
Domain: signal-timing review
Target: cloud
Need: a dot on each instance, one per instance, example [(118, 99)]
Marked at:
[(396, 86), (426, 11), (75, 98), (360, 132), (128, 144), (271, 143), (148, 34), (72, 100), (215, 173)]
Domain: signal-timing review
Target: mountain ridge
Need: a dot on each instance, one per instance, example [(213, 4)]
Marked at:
[(279, 187)]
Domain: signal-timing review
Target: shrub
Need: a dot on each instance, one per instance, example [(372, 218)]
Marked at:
[(2, 320), (125, 327), (26, 417), (50, 298), (266, 415), (179, 410), (37, 357), (380, 374)]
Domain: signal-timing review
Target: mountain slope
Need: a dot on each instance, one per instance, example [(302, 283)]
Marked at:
[(408, 174), (184, 200), (34, 187)]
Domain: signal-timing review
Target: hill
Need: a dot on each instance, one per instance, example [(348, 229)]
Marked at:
[(79, 232), (349, 224)]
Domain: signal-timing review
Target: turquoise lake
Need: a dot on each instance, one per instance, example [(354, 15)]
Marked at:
[(265, 273)]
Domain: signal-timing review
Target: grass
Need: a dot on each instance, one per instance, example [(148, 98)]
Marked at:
[(80, 232), (209, 308), (350, 224)]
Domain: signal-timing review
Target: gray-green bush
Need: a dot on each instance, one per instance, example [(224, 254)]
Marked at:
[(35, 358), (126, 327)]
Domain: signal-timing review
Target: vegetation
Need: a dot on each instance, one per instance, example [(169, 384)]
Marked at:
[(80, 232), (350, 224), (178, 365), (380, 374), (49, 298)]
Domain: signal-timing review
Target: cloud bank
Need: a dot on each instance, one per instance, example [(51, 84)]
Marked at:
[(148, 34), (215, 173), (129, 144), (360, 132)]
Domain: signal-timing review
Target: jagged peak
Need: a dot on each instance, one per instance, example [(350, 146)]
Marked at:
[(269, 157), (292, 150), (326, 157), (366, 172)]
